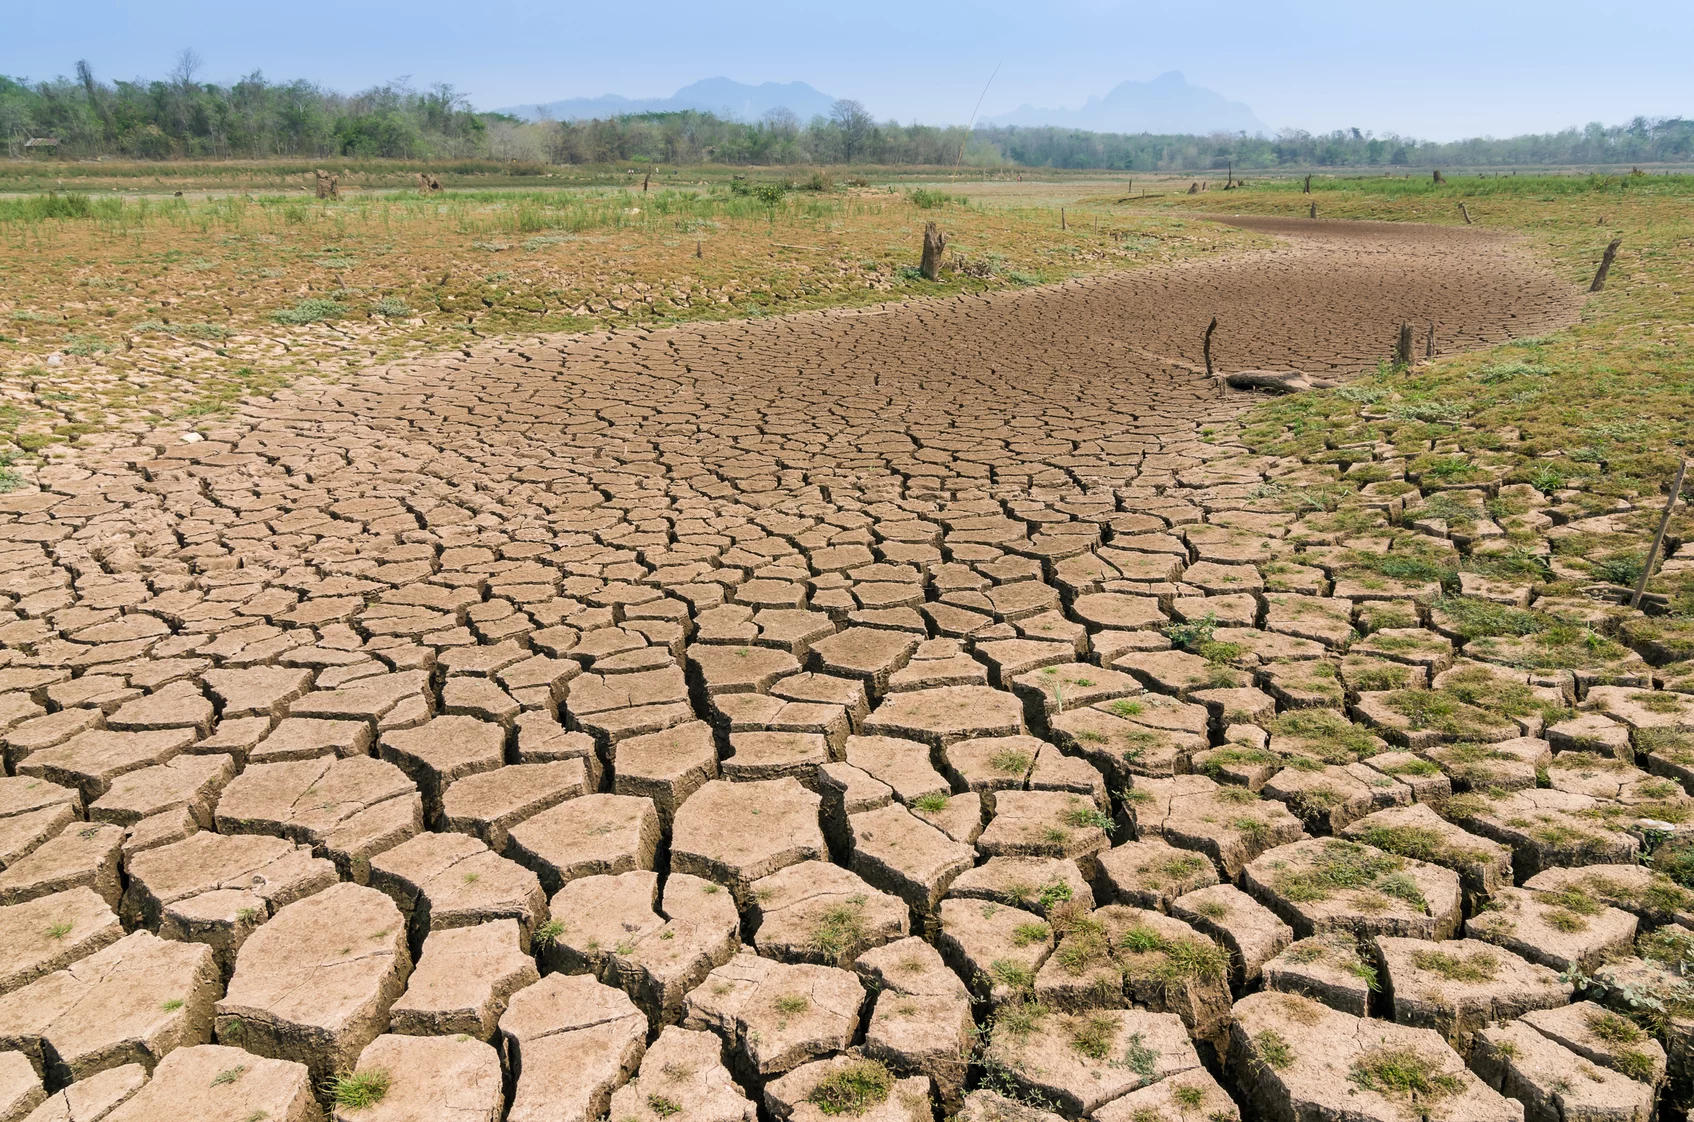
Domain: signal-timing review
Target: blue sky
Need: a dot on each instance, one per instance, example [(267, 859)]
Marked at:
[(1440, 69)]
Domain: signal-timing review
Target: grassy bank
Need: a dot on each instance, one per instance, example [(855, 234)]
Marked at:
[(1595, 417)]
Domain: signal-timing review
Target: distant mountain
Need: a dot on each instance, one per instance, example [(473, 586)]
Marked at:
[(726, 98), (1167, 104)]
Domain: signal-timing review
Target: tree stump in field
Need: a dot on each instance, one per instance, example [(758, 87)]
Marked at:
[(1308, 187), (1314, 210), (1439, 178), (934, 242), (1605, 265), (1193, 188), (1403, 347)]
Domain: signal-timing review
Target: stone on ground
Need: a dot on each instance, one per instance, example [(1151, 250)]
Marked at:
[(772, 1016), (453, 880), (1458, 985), (735, 833), (451, 1078), (463, 980), (1328, 884), (682, 1079), (819, 912), (1294, 1058), (133, 1002), (315, 984), (215, 1083), (570, 1042), (656, 949), (1082, 1061), (349, 809), (594, 835), (51, 932), (921, 1024)]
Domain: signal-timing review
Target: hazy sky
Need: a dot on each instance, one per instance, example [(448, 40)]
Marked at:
[(1440, 69)]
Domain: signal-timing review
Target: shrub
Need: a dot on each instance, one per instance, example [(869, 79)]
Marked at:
[(313, 309)]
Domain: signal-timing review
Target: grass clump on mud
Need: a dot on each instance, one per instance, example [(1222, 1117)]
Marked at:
[(1341, 866), (853, 1089), (1403, 1073)]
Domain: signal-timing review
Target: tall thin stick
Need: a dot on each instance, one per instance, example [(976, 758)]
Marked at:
[(972, 122), (1206, 344), (1659, 538)]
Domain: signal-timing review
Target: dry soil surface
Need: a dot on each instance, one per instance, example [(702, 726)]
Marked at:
[(902, 572)]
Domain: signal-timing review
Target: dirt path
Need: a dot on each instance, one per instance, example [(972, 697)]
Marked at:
[(635, 563)]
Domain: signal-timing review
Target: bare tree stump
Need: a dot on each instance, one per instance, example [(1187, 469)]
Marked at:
[(1314, 210), (1465, 212), (1194, 188), (1429, 343), (699, 249), (1308, 188), (1605, 265), (1439, 178), (1206, 344), (646, 179), (1403, 347), (934, 242)]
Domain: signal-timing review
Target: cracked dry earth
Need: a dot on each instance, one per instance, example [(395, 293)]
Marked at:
[(779, 719)]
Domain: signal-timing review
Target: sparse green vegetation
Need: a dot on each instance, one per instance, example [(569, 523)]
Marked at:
[(853, 1089), (360, 1089)]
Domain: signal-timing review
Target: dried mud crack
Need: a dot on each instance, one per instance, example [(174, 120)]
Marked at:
[(881, 713)]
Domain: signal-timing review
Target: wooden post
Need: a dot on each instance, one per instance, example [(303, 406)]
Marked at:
[(1062, 225), (934, 242), (1464, 212), (699, 249), (646, 179), (1659, 538), (1206, 344), (1429, 342), (1605, 265), (1314, 210), (1403, 347), (1308, 188)]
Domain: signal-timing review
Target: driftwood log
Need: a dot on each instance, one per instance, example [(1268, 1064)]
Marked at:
[(1605, 265), (1275, 381), (934, 243)]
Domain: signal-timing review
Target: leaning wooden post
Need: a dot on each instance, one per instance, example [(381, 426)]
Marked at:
[(1206, 344), (934, 242), (1605, 265), (1659, 538), (1403, 347), (1465, 212)]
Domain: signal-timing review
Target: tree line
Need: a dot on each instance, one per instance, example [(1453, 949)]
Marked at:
[(180, 117)]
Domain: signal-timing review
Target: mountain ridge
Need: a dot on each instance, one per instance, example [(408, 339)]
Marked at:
[(722, 96), (1167, 104)]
